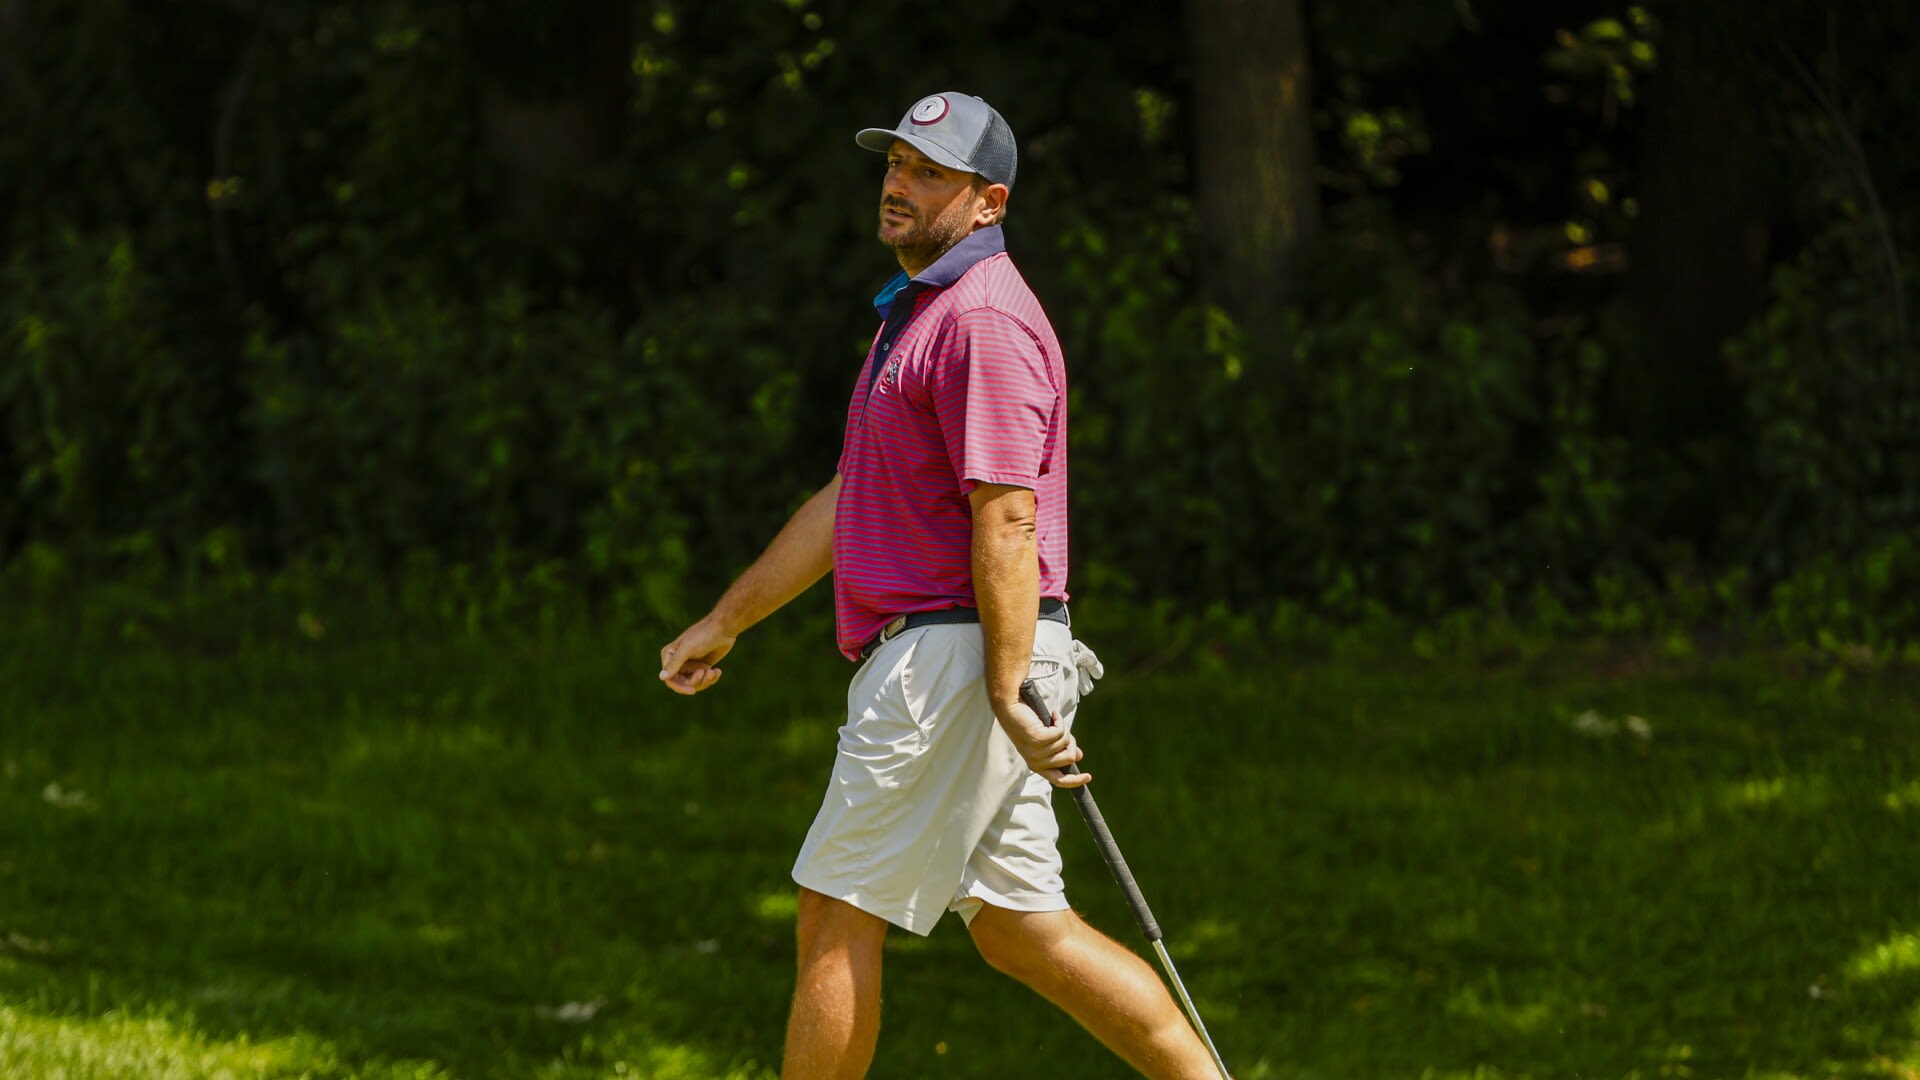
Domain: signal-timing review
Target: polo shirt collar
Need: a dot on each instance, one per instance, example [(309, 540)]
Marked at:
[(979, 244), (976, 245)]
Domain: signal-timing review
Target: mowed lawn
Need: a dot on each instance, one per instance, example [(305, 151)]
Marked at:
[(458, 858)]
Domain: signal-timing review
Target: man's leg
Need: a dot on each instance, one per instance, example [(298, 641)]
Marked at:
[(1112, 992), (836, 998)]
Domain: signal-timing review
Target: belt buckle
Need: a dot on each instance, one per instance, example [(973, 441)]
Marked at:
[(887, 633)]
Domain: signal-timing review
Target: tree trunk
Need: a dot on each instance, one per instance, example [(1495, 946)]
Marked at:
[(1699, 259), (1253, 150), (1697, 275), (542, 149), (551, 113), (13, 51)]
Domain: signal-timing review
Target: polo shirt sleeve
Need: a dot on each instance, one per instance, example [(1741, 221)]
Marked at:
[(995, 398)]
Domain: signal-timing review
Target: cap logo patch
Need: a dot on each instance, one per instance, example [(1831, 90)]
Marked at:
[(930, 110)]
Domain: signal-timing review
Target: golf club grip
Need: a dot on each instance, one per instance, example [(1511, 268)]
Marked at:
[(1097, 825)]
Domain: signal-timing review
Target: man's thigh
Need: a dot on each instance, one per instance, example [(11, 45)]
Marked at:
[(921, 772)]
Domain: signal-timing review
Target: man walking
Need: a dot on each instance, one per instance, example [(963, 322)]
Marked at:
[(945, 528)]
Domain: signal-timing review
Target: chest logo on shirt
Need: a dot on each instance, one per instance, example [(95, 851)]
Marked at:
[(929, 111)]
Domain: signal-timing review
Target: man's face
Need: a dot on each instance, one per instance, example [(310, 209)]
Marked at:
[(925, 208)]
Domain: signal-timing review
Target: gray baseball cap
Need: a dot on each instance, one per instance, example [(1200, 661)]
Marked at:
[(959, 131)]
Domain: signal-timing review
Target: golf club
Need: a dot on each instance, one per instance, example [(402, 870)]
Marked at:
[(1117, 865)]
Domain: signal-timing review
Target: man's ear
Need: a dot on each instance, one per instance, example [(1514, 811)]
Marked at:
[(993, 204)]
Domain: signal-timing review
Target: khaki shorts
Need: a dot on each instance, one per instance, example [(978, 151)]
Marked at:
[(930, 807)]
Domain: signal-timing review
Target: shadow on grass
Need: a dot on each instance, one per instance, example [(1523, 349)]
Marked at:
[(487, 861), (529, 860)]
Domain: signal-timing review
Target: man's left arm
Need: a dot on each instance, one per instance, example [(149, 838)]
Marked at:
[(1006, 586)]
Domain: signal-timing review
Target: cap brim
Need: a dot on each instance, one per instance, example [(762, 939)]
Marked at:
[(880, 140)]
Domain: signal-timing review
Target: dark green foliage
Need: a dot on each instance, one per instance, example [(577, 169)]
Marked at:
[(1388, 444), (506, 286), (1836, 402), (110, 430)]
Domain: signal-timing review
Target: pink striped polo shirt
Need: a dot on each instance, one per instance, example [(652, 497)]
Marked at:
[(971, 390)]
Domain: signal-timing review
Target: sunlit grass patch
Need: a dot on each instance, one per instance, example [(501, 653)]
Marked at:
[(1897, 955), (1903, 799), (1525, 1017), (778, 908), (652, 1062), (54, 1048), (487, 862), (1794, 794)]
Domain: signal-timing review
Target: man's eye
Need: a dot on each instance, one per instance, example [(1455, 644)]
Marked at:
[(930, 174)]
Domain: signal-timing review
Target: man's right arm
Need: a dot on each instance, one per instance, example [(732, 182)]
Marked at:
[(799, 555)]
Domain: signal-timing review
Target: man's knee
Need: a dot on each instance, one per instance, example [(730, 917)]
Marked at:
[(1017, 943), (824, 924)]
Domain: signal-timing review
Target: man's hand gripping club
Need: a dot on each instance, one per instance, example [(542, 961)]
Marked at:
[(1047, 749)]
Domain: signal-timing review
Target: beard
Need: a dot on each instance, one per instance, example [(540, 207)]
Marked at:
[(924, 241)]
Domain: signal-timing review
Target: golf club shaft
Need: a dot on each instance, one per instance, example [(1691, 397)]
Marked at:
[(1186, 1002), (1122, 876)]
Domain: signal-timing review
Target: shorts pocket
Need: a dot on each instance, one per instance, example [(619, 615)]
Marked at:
[(1049, 673), (941, 677), (884, 730)]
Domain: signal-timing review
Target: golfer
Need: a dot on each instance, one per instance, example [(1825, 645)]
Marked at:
[(945, 528)]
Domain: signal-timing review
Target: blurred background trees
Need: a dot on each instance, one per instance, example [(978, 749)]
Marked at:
[(1387, 303)]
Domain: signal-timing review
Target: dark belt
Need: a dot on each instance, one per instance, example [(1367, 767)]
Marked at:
[(1051, 609)]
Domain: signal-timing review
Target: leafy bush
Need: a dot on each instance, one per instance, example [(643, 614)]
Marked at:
[(109, 428), (1834, 397), (313, 298), (1870, 601), (1387, 444)]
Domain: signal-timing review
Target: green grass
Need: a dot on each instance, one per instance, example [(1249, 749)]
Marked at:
[(459, 859)]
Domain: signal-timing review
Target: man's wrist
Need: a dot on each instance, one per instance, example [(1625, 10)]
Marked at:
[(1005, 707), (1009, 660), (725, 622)]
